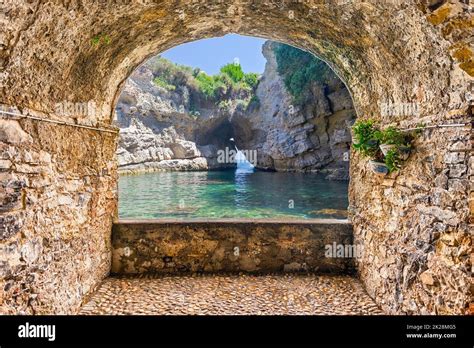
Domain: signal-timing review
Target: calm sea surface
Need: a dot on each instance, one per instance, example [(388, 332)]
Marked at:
[(231, 194)]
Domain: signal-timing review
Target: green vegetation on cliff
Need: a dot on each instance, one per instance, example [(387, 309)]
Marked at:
[(159, 81), (233, 87), (232, 83), (298, 69)]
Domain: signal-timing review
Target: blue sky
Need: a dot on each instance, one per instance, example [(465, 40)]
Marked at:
[(211, 54)]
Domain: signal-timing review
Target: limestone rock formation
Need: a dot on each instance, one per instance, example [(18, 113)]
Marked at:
[(159, 133), (313, 136)]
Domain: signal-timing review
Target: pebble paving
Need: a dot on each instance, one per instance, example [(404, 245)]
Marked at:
[(231, 295)]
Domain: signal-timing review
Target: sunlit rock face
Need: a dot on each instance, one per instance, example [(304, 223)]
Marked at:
[(414, 226), (310, 136), (158, 130)]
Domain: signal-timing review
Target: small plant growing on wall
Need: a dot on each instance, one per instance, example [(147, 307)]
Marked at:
[(364, 139), (392, 160), (387, 149), (102, 38)]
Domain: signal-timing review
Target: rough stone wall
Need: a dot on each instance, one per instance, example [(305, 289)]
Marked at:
[(385, 51), (416, 228), (364, 41), (416, 225), (57, 200), (226, 246)]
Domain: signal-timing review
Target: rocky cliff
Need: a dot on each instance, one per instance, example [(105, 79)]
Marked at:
[(177, 129), (158, 131), (313, 135)]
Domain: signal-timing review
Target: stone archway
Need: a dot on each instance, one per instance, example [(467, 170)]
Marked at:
[(59, 181)]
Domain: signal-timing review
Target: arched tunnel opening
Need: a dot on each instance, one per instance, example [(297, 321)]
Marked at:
[(62, 66), (293, 116)]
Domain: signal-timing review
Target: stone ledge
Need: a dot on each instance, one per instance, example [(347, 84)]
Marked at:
[(229, 245)]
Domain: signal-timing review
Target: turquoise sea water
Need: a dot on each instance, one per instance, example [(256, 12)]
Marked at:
[(230, 194)]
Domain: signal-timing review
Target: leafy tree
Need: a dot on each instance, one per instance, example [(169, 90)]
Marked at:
[(234, 71)]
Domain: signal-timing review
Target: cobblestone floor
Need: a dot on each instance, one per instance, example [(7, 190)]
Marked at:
[(231, 295)]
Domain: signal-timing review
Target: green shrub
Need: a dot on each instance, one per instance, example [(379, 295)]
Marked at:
[(299, 69), (159, 81), (366, 141), (368, 138), (230, 83), (206, 84), (392, 160), (234, 71), (391, 136), (224, 82), (251, 79)]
